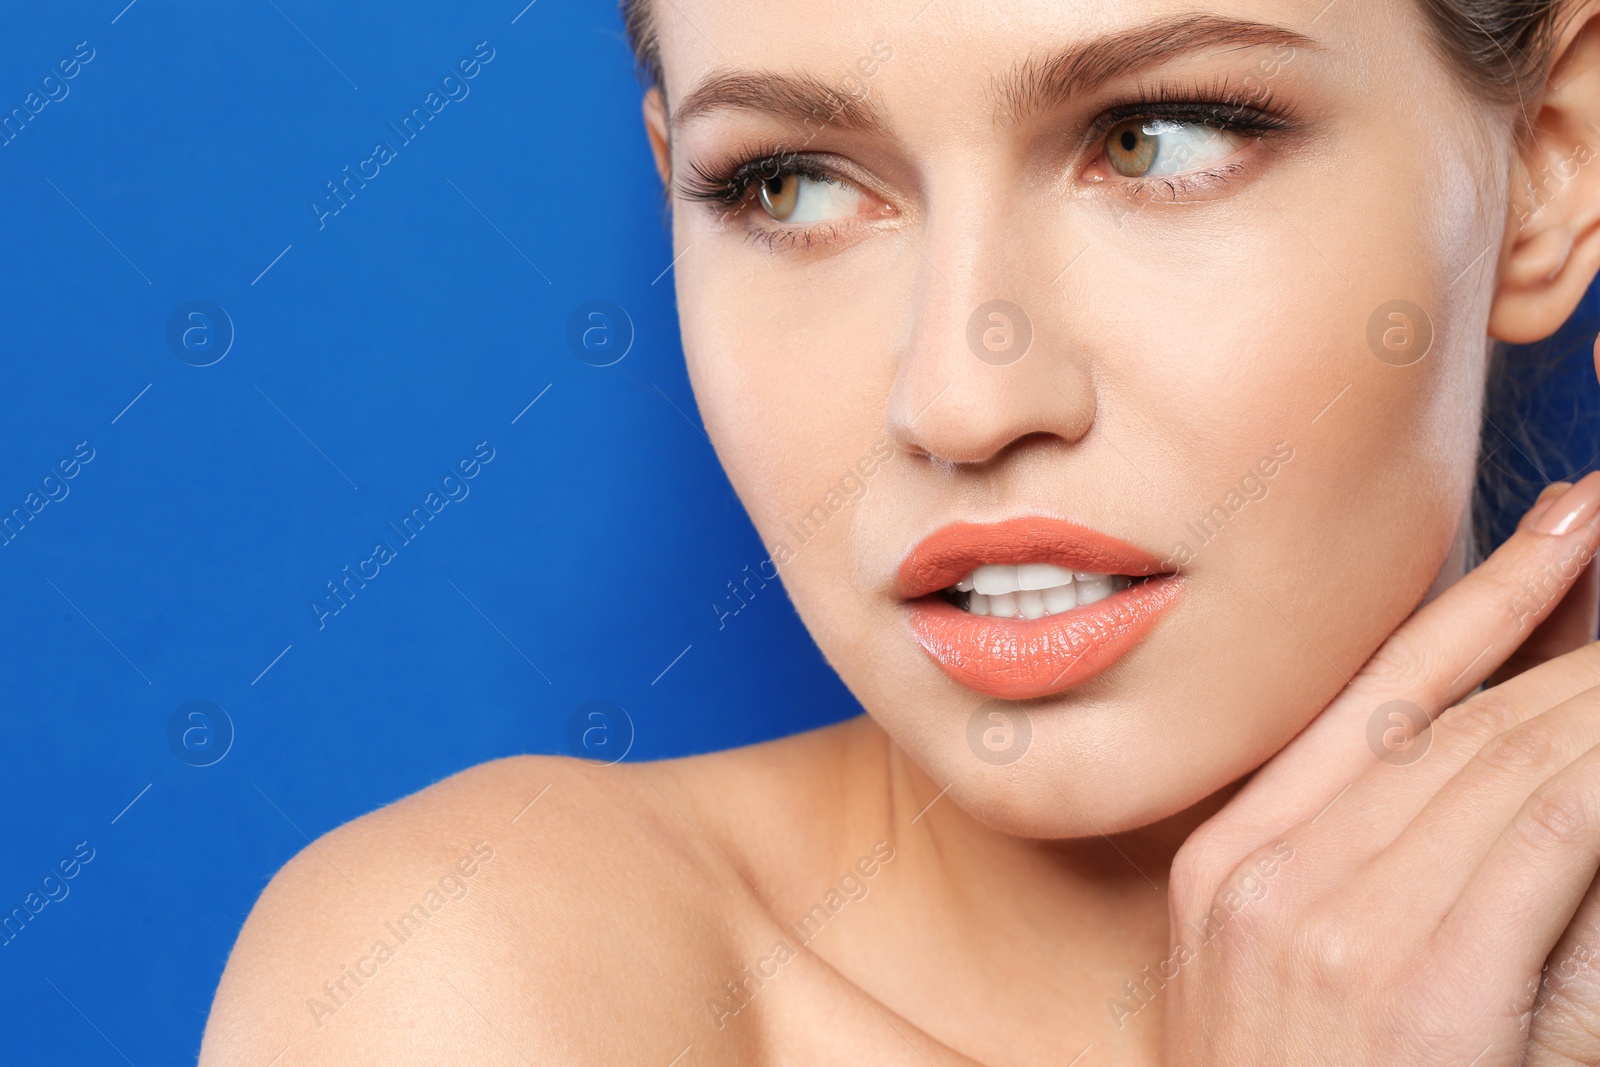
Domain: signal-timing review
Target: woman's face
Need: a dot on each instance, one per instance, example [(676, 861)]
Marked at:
[(1212, 283)]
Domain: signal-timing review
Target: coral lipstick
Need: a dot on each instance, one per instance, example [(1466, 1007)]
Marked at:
[(1016, 658)]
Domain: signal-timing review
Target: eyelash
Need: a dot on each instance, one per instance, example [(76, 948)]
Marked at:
[(730, 188), (1220, 106)]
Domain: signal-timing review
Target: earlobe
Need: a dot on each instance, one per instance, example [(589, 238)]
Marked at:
[(655, 125), (1552, 249)]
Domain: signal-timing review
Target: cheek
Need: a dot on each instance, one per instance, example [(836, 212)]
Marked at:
[(1212, 354), (1389, 455), (793, 399), (1348, 322)]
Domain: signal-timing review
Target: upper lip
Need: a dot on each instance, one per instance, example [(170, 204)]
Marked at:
[(948, 555)]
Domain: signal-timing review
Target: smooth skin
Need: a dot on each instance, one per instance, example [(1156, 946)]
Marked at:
[(1201, 859)]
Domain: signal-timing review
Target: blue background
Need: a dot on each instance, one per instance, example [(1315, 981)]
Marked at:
[(370, 356), (584, 560)]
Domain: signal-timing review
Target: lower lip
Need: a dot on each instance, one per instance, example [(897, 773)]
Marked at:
[(1018, 659)]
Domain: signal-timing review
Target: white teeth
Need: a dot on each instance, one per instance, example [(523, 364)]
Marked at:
[(1034, 590), (1003, 605), (992, 580), (1042, 576), (1061, 598), (1093, 590)]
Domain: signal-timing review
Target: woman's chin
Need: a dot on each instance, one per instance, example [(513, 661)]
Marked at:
[(1052, 793)]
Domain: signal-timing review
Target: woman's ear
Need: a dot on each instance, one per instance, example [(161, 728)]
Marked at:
[(655, 125), (1552, 249)]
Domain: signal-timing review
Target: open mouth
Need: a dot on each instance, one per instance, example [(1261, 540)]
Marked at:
[(1032, 590), (1030, 607)]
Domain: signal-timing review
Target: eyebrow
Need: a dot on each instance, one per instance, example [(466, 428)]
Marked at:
[(1034, 86), (1039, 85), (801, 97)]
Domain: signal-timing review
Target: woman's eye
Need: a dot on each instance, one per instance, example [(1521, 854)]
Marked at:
[(803, 200), (1161, 148)]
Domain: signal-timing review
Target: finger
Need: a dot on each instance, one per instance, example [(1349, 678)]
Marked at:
[(1438, 656), (1519, 902), (1575, 619), (1477, 809), (1562, 1015), (1450, 646), (1389, 796), (1541, 503), (1570, 625), (1554, 636)]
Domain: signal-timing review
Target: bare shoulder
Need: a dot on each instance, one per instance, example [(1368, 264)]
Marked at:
[(528, 910)]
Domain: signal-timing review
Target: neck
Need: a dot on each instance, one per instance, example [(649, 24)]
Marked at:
[(1044, 935)]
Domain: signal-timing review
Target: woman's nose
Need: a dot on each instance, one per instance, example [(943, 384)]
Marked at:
[(990, 354)]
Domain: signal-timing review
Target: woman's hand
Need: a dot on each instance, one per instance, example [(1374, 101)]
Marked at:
[(1365, 901)]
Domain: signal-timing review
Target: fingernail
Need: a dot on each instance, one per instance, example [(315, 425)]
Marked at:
[(1542, 503), (1578, 504)]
